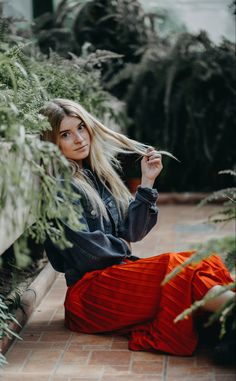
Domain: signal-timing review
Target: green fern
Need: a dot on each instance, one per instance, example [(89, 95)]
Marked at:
[(27, 80), (5, 318)]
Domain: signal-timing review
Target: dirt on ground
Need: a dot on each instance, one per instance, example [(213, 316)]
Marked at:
[(14, 280)]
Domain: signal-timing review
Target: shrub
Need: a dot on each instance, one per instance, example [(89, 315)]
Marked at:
[(185, 102), (26, 82), (180, 92)]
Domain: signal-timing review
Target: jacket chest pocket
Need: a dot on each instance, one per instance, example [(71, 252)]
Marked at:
[(91, 216), (112, 210)]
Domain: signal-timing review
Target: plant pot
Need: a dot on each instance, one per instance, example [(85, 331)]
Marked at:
[(133, 183), (16, 210), (30, 299)]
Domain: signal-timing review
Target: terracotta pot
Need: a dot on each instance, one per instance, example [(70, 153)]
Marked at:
[(133, 183)]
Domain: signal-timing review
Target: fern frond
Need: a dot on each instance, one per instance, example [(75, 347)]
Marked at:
[(227, 172), (222, 194), (200, 303)]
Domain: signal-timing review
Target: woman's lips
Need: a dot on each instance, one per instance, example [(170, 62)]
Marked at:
[(80, 148)]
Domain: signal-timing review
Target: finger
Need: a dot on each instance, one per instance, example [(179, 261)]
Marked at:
[(155, 163), (150, 153), (154, 156), (149, 150)]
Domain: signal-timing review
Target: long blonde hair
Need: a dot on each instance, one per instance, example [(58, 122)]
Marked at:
[(105, 145)]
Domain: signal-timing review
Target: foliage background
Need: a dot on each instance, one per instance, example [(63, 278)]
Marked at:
[(180, 90), (27, 80), (180, 96)]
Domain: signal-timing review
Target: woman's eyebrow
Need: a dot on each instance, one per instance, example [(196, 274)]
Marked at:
[(61, 132), (68, 130)]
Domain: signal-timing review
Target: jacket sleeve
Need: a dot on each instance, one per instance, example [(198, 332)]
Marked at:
[(142, 215), (89, 250)]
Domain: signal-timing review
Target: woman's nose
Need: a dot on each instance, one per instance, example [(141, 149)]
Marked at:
[(78, 137)]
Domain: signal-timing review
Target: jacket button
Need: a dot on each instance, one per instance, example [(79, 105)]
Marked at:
[(110, 203), (93, 212)]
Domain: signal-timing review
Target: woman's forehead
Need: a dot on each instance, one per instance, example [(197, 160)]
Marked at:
[(70, 121)]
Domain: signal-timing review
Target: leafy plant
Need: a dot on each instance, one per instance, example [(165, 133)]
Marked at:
[(179, 91), (119, 25), (53, 32), (185, 104), (26, 83), (5, 318), (229, 211), (31, 168)]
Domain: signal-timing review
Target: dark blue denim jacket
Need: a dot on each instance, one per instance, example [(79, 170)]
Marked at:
[(98, 244)]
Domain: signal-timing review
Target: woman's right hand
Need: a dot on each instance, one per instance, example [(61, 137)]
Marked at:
[(151, 167)]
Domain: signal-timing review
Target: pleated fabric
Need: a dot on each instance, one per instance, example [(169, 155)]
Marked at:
[(129, 298)]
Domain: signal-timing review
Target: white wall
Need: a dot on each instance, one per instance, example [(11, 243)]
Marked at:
[(213, 16), (18, 8)]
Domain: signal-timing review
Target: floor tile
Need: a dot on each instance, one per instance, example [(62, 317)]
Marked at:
[(77, 370), (49, 352), (110, 358), (147, 367)]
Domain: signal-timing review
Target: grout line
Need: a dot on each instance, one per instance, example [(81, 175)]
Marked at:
[(102, 373), (166, 361), (58, 362), (53, 314), (89, 356), (28, 357)]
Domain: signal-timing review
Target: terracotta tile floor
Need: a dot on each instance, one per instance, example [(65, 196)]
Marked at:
[(50, 352)]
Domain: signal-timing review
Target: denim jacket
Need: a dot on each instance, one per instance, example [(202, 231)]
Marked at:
[(99, 243)]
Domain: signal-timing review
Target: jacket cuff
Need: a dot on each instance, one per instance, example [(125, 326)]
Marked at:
[(126, 246), (148, 195)]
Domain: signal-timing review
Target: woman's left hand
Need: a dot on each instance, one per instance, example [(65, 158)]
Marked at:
[(151, 166)]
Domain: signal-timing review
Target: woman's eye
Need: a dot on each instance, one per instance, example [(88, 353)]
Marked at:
[(65, 135), (81, 126)]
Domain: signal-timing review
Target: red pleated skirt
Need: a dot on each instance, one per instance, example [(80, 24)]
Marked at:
[(129, 298)]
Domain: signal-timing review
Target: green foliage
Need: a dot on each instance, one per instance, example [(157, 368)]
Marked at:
[(225, 246), (54, 32), (118, 25), (186, 104), (228, 195), (5, 318), (26, 84), (21, 95), (73, 79), (180, 93), (13, 300), (34, 174)]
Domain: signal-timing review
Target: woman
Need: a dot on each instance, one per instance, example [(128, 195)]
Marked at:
[(109, 289)]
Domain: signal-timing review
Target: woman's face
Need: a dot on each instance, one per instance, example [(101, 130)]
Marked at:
[(74, 139)]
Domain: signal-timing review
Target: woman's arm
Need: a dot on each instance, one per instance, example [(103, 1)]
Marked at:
[(89, 250), (141, 217), (142, 212)]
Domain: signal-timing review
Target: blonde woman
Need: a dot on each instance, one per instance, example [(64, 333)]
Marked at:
[(109, 289)]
